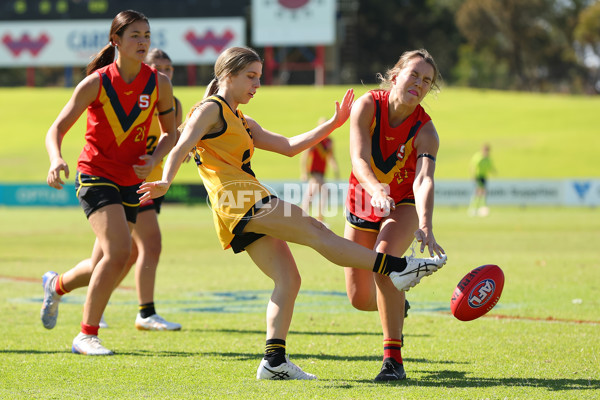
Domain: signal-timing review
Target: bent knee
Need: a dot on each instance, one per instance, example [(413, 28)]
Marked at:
[(289, 282), (362, 301)]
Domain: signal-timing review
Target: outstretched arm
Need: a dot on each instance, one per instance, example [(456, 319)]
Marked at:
[(360, 153), (266, 140), (202, 121), (423, 187)]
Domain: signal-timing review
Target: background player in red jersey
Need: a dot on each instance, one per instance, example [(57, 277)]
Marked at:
[(393, 146), (120, 97), (313, 165), (147, 242)]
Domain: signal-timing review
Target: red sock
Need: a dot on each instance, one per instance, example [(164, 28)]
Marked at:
[(392, 348), (58, 287), (89, 329)]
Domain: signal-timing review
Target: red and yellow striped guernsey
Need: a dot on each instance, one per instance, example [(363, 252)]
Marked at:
[(118, 122), (393, 157)]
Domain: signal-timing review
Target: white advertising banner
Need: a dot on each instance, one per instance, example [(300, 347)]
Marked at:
[(535, 192), (568, 192), (73, 43), (293, 22)]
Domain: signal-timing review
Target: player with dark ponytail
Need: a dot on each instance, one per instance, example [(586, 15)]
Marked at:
[(121, 97)]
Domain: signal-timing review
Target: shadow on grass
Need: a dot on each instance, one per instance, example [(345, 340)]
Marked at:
[(292, 332), (441, 378), (460, 379)]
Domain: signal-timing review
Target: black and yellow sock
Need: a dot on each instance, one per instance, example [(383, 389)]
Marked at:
[(275, 352), (147, 310), (386, 264)]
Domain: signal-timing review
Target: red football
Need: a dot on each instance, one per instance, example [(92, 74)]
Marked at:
[(477, 292)]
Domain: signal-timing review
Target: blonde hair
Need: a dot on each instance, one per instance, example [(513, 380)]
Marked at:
[(231, 62), (386, 80)]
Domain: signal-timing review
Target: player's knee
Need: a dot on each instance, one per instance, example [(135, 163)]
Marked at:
[(317, 234), (153, 245), (362, 302), (289, 283)]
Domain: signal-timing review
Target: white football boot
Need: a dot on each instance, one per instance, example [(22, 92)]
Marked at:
[(49, 311), (89, 345), (416, 269), (155, 323), (103, 323), (286, 371)]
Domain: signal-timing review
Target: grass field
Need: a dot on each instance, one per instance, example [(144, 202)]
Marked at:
[(541, 341), (532, 135)]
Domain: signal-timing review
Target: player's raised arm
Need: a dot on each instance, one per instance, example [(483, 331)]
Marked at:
[(204, 119), (267, 140)]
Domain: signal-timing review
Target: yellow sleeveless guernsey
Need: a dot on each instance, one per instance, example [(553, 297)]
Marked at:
[(223, 160)]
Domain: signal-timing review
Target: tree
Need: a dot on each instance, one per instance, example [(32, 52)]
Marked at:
[(385, 29), (532, 38), (587, 31)]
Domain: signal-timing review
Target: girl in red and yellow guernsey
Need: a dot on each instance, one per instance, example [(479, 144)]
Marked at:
[(248, 217), (120, 97), (393, 146)]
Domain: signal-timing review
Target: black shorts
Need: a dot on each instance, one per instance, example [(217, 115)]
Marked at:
[(152, 204), (480, 181), (361, 224), (242, 239), (370, 226), (95, 192)]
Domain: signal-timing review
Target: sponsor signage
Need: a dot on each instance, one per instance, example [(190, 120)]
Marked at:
[(568, 192), (293, 22), (74, 43)]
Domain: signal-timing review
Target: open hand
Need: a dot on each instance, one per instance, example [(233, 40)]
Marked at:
[(342, 111), (425, 237), (152, 190)]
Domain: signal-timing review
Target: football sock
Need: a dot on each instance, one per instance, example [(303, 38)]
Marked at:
[(386, 264), (147, 310), (89, 329), (392, 348), (275, 352), (59, 287)]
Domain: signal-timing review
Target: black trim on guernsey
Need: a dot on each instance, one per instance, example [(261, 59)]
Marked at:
[(126, 120), (235, 113), (386, 165), (222, 131)]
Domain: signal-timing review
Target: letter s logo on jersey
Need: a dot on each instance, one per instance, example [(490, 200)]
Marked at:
[(144, 101), (400, 152)]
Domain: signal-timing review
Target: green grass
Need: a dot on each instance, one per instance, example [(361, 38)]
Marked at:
[(532, 135), (541, 341), (549, 257)]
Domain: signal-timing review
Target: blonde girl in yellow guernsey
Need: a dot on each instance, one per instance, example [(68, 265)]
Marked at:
[(250, 218)]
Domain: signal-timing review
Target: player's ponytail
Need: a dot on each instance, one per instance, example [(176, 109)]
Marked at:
[(118, 26), (103, 58), (212, 88)]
